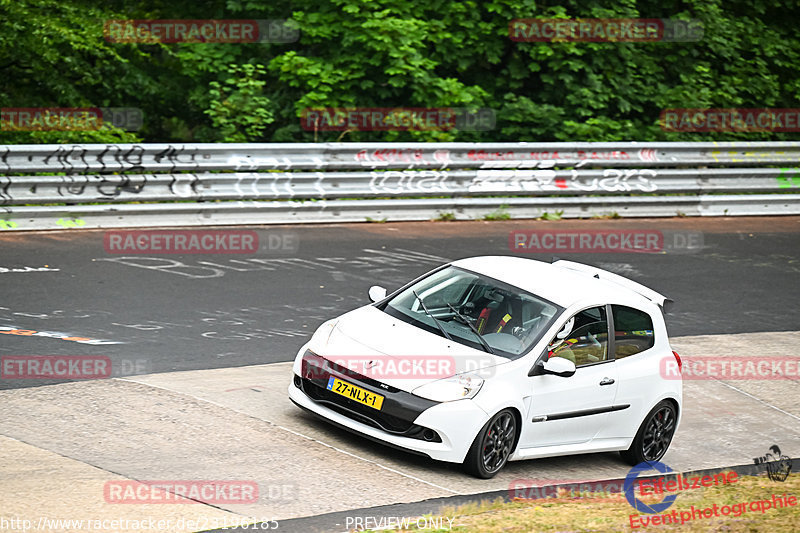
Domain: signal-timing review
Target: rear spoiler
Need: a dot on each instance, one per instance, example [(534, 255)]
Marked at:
[(659, 299)]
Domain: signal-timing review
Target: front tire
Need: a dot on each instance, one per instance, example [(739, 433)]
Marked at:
[(654, 435), (492, 446)]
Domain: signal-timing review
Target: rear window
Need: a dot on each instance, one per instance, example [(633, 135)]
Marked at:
[(633, 331)]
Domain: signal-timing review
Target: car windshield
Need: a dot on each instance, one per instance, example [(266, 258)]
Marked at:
[(475, 310)]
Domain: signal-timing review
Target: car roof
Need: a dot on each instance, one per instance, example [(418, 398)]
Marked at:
[(561, 285)]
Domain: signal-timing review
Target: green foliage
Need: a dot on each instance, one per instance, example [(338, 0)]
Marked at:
[(611, 215), (53, 54), (105, 134), (552, 216), (381, 53), (237, 107), (500, 213)]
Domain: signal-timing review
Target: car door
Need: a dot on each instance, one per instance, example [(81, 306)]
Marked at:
[(637, 362), (572, 410)]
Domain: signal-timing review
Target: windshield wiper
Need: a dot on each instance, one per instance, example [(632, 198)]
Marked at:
[(435, 320), (466, 321)]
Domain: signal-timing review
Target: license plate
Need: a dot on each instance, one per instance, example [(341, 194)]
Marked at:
[(355, 393)]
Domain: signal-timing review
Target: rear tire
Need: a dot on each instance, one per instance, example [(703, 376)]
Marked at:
[(654, 435), (492, 446)]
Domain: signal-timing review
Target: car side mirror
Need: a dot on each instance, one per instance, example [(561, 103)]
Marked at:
[(556, 366), (376, 293)]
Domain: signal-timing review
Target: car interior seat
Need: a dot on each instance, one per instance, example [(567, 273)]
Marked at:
[(497, 307)]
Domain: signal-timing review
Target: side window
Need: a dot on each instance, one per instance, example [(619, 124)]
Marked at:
[(587, 342), (633, 331)]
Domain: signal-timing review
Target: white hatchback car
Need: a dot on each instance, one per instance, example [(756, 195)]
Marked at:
[(493, 359)]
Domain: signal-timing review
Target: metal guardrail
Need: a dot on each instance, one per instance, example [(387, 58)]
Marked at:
[(202, 184)]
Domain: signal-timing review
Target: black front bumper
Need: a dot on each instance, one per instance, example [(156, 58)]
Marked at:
[(395, 417)]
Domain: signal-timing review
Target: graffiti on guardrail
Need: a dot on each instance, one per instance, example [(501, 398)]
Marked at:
[(173, 155), (130, 158), (384, 157), (155, 174), (4, 160), (613, 180), (547, 159), (127, 160), (104, 187), (62, 156), (184, 185), (531, 159), (240, 162), (4, 194), (580, 155), (97, 187), (514, 180), (400, 181), (86, 159)]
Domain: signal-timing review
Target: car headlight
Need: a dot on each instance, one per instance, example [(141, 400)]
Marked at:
[(457, 387)]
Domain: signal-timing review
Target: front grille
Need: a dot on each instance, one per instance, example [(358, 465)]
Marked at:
[(399, 410), (386, 422)]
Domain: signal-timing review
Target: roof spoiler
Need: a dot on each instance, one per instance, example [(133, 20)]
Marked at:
[(659, 299)]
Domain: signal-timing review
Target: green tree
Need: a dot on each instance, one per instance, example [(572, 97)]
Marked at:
[(239, 112), (381, 53)]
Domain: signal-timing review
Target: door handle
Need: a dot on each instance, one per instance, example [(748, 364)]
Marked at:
[(607, 381)]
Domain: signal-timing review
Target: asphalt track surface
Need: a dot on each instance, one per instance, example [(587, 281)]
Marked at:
[(188, 312), (203, 344)]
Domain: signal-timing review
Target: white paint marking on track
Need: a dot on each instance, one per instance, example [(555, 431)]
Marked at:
[(756, 398), (299, 435)]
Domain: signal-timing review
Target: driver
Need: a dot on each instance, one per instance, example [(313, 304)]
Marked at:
[(561, 345)]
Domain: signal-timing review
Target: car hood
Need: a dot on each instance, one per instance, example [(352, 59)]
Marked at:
[(369, 334)]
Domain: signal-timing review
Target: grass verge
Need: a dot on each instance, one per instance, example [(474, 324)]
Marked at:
[(612, 513)]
